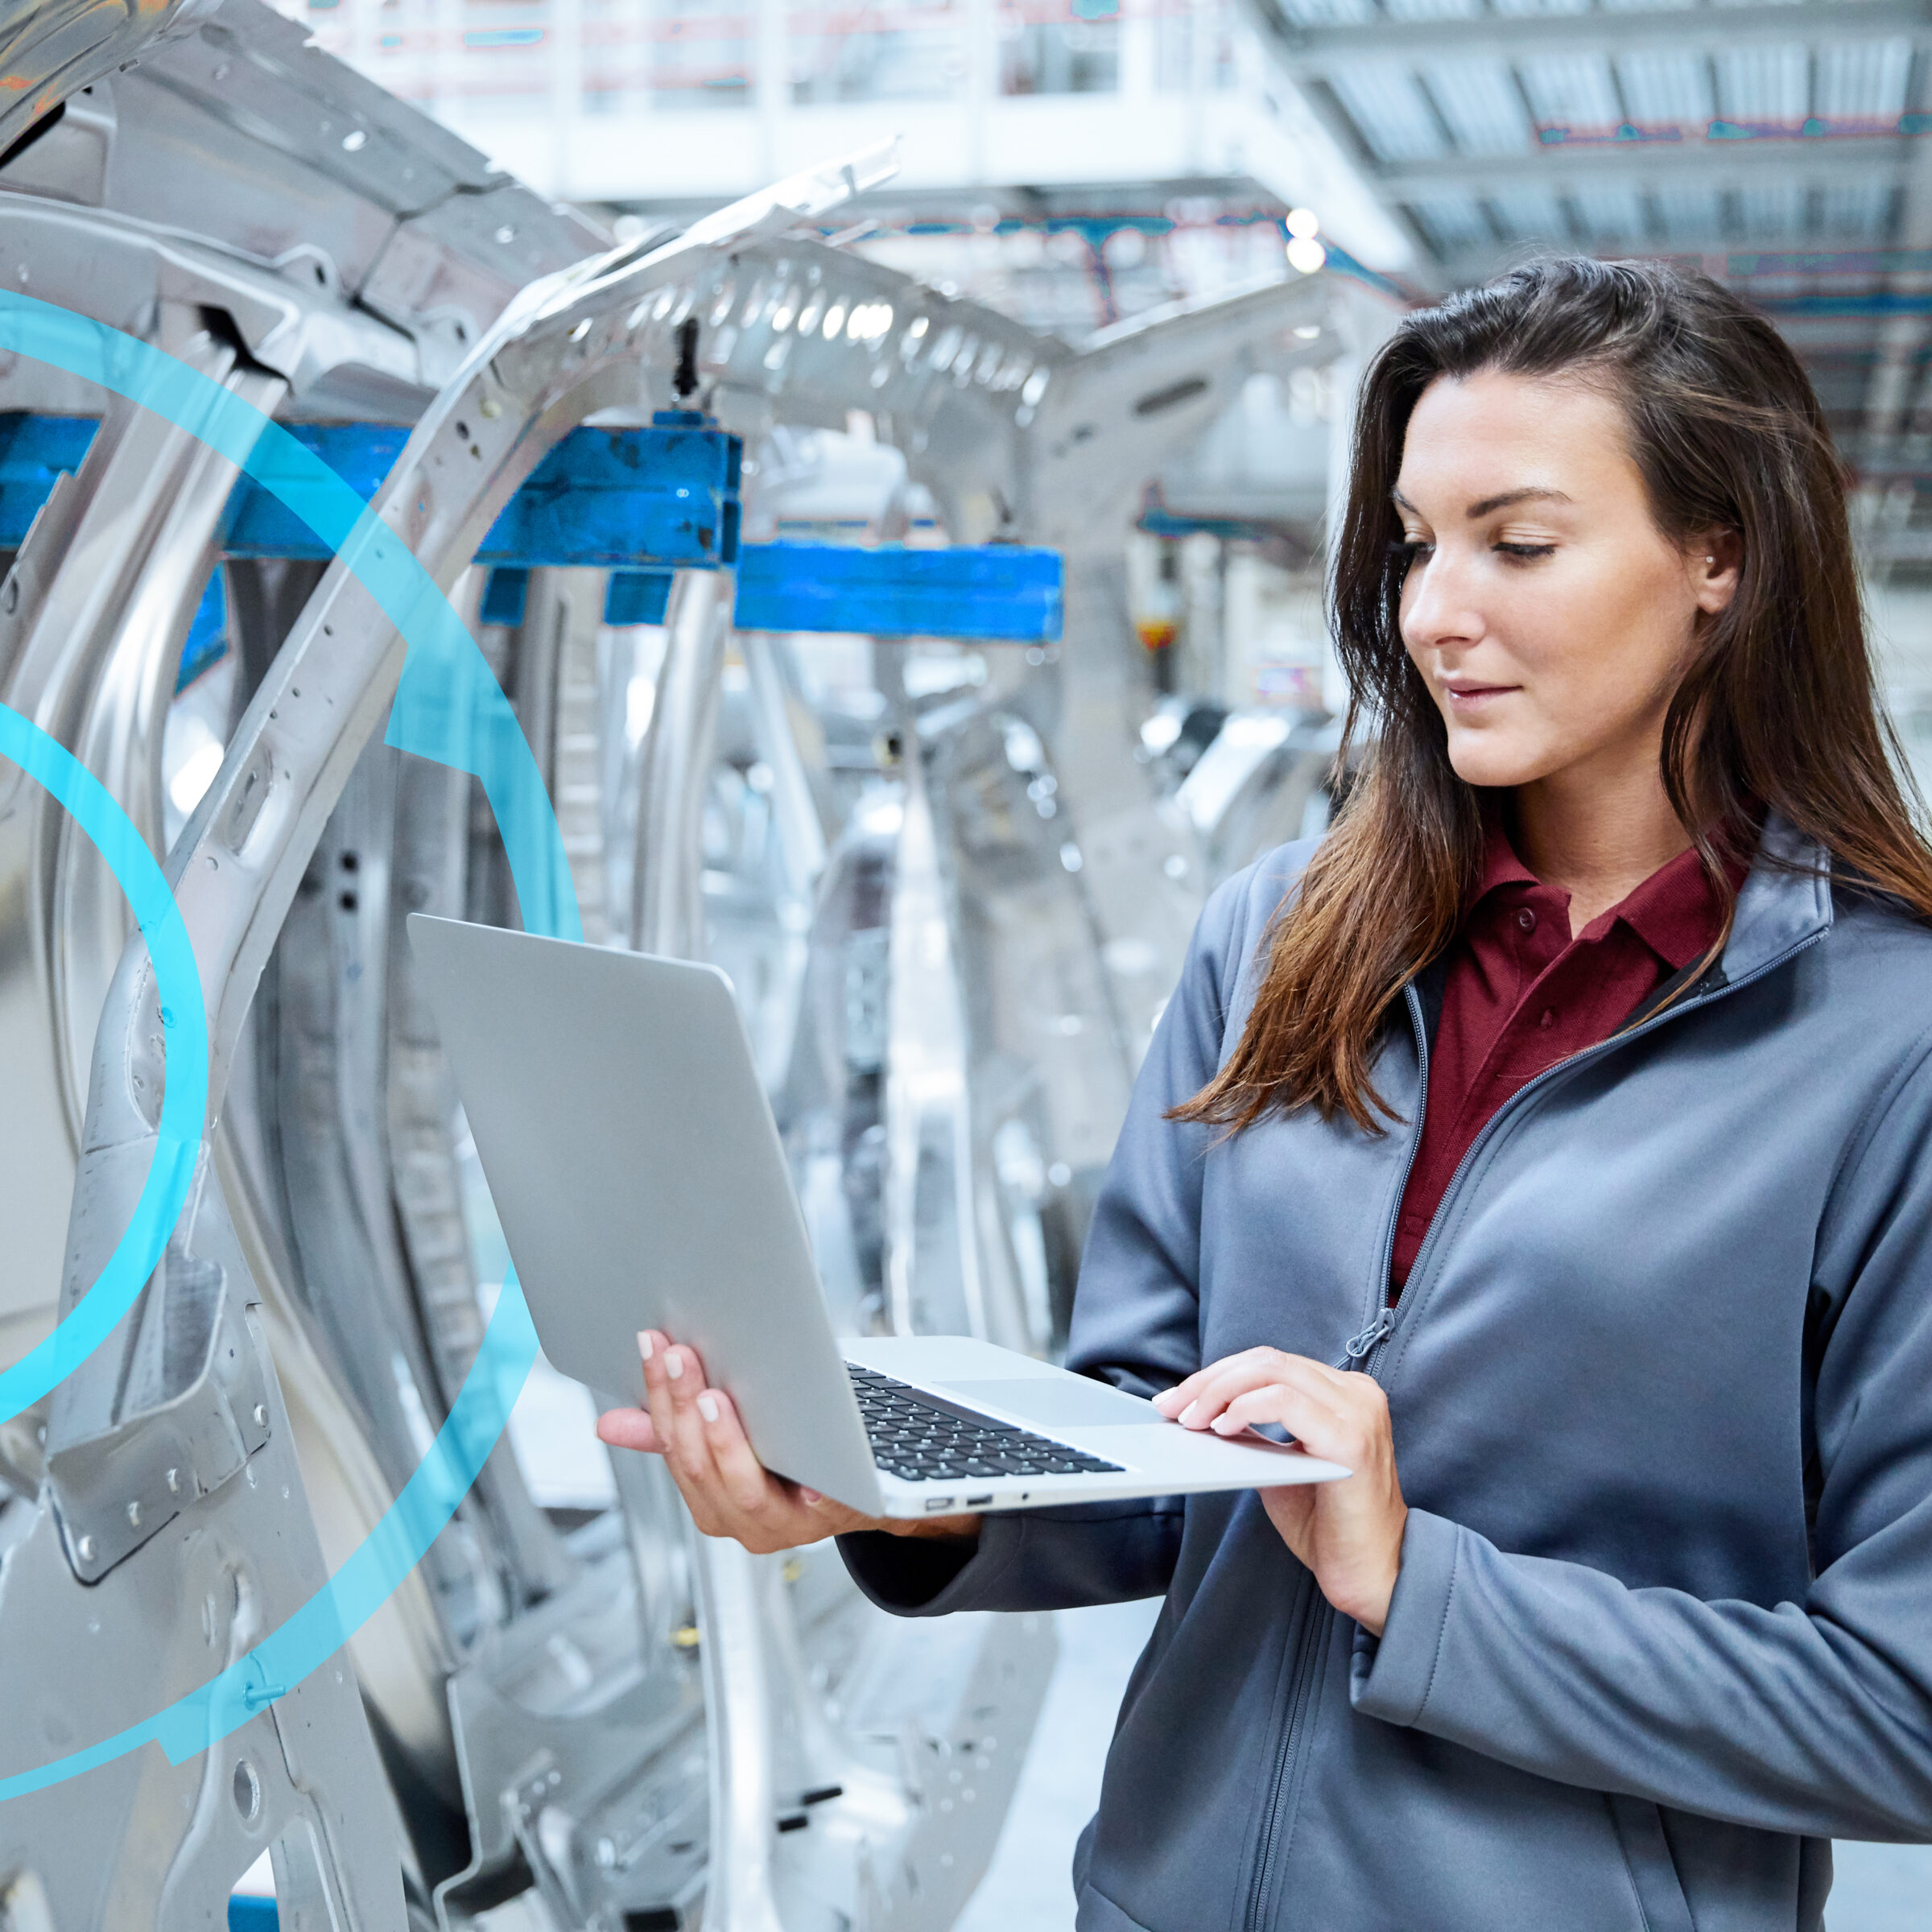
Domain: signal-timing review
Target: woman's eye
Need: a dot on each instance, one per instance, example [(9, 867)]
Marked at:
[(1526, 549), (1409, 549)]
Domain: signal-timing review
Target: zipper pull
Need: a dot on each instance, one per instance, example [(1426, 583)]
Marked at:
[(1375, 1332)]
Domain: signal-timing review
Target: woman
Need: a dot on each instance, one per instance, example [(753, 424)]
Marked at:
[(1547, 1145)]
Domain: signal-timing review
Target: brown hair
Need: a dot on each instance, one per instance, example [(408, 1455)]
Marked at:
[(1776, 709)]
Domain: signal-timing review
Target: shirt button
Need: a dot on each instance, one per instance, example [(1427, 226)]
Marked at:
[(1526, 919)]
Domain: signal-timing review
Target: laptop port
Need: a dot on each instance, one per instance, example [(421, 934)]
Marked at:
[(935, 1503), (979, 1502)]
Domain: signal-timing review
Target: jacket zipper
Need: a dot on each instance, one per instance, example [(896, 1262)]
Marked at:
[(1371, 1358), (1309, 1643), (1365, 1351), (1320, 1612)]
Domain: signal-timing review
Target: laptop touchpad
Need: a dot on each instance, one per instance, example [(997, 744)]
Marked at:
[(1066, 1401)]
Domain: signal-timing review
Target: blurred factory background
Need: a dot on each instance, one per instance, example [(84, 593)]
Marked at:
[(1107, 306), (1071, 162)]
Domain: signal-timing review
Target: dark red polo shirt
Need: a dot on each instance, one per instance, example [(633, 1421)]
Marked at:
[(1521, 994)]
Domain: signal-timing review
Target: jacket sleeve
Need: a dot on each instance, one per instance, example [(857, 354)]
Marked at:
[(1812, 1717), (1136, 1320)]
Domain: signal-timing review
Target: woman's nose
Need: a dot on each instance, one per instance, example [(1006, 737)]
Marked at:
[(1437, 608)]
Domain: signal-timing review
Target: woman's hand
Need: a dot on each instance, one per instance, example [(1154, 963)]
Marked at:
[(1348, 1532), (729, 1492)]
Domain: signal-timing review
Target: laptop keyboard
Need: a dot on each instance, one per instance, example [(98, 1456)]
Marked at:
[(926, 1438)]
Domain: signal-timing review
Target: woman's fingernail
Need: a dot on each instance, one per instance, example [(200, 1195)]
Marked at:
[(707, 1406), (644, 1348), (1187, 1414), (674, 1366), (810, 1496)]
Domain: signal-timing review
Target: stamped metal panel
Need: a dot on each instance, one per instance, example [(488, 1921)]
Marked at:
[(92, 622), (99, 263), (49, 51), (1149, 386), (139, 1840), (304, 165), (237, 868)]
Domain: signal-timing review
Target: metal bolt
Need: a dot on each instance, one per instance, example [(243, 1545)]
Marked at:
[(134, 1516), (261, 1415), (85, 1546)]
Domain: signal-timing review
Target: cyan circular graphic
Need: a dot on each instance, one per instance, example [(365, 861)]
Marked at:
[(448, 708), (184, 1098)]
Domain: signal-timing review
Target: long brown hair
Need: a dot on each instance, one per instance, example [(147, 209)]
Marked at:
[(1776, 709)]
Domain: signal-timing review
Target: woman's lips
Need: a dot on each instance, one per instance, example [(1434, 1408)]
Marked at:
[(1473, 697)]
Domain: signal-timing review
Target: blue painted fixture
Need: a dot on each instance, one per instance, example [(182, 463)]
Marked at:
[(638, 596), (207, 643), (666, 495), (255, 524), (642, 503), (504, 595), (997, 591), (34, 450)]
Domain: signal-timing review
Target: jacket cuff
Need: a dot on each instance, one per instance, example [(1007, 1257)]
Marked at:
[(1389, 1677), (930, 1576)]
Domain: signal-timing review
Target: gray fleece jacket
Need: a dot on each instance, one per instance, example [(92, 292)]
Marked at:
[(1661, 1385)]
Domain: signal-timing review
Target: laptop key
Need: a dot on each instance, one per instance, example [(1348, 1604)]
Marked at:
[(926, 1437)]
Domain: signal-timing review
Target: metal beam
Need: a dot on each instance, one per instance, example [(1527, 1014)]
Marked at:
[(1559, 166), (1820, 264), (1889, 396), (1337, 123), (1884, 548), (1310, 52)]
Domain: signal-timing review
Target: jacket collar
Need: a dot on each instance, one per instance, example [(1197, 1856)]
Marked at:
[(1786, 899)]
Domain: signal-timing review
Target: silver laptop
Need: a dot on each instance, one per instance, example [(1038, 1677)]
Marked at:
[(641, 1183)]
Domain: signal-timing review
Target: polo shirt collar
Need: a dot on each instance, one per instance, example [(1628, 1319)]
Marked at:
[(1785, 900), (1672, 911)]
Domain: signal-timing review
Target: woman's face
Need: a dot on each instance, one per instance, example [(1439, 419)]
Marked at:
[(1548, 615)]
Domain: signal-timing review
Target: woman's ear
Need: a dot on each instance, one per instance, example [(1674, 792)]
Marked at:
[(1716, 560)]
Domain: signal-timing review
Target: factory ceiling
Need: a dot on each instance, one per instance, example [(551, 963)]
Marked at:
[(1786, 149)]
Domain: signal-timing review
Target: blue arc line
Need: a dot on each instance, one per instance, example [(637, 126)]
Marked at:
[(171, 1171), (448, 708)]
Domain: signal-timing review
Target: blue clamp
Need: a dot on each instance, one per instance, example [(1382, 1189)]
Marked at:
[(641, 503), (34, 450), (1001, 592), (665, 495)]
